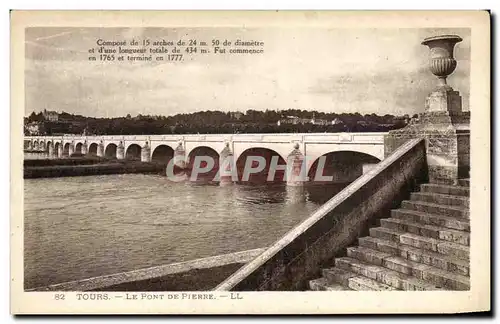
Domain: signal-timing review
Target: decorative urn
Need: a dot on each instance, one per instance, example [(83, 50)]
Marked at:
[(442, 62)]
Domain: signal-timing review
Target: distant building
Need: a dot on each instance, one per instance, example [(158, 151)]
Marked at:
[(294, 120), (363, 123), (236, 115), (322, 122), (50, 115), (405, 119), (337, 121)]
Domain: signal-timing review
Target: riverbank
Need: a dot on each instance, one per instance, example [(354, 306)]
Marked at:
[(81, 160), (87, 167), (34, 151)]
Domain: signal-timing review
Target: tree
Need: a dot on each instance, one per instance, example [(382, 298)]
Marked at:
[(32, 117)]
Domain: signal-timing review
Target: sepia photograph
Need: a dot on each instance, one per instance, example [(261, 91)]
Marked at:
[(193, 162)]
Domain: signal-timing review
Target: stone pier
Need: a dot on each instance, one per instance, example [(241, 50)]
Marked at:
[(179, 165), (227, 167), (85, 148), (120, 151), (71, 149), (100, 149), (296, 171), (146, 153), (50, 150)]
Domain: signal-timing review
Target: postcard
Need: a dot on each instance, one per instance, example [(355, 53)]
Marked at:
[(250, 162)]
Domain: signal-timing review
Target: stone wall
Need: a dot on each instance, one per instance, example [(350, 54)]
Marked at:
[(299, 255), (447, 138), (464, 155)]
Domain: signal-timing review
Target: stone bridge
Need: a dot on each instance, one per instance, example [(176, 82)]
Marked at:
[(350, 150)]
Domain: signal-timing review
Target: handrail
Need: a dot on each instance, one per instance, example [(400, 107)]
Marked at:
[(324, 210), (151, 272)]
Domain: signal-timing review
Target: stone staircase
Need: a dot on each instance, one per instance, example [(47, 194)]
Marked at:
[(423, 246)]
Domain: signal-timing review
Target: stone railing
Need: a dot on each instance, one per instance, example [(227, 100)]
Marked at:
[(300, 254), (361, 138), (199, 274)]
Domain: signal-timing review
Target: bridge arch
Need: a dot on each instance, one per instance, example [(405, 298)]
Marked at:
[(35, 145), (41, 145), (249, 159), (57, 145), (49, 144), (93, 149), (110, 151), (133, 152), (162, 153), (66, 149), (340, 166), (78, 148), (203, 151)]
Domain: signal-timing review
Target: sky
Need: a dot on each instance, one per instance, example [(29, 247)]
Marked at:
[(331, 70)]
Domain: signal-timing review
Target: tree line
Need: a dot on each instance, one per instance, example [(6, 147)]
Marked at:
[(211, 122)]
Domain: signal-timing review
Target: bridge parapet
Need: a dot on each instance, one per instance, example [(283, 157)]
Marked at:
[(374, 138)]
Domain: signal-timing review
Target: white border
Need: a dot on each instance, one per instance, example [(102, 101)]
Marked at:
[(478, 4)]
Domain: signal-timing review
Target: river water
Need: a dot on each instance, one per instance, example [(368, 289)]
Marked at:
[(81, 227)]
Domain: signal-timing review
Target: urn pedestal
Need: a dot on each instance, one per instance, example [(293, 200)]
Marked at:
[(445, 127)]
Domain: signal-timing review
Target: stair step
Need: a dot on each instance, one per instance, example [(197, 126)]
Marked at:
[(362, 283), (435, 259), (460, 224), (368, 255), (383, 275), (431, 208), (427, 243), (367, 274), (438, 277), (453, 249), (338, 276), (445, 189), (321, 284), (440, 199), (385, 233), (421, 242), (426, 230)]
